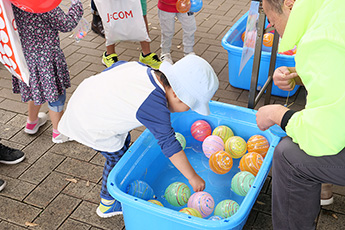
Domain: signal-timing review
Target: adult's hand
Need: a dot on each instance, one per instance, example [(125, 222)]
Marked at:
[(270, 115), (286, 78)]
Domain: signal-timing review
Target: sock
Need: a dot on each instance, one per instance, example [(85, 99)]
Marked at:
[(55, 133), (107, 202), (145, 54), (31, 124)]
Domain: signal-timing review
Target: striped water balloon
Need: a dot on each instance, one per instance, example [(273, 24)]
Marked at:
[(212, 144), (242, 182), (177, 194)]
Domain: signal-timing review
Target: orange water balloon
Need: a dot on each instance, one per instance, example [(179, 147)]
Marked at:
[(268, 39), (183, 6), (251, 162), (220, 162), (258, 144)]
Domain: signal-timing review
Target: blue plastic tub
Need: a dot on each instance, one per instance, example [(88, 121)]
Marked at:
[(145, 161), (233, 43)]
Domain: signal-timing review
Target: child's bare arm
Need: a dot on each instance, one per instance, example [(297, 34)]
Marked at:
[(181, 162)]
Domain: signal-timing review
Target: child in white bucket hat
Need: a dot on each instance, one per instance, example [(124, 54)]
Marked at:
[(106, 107)]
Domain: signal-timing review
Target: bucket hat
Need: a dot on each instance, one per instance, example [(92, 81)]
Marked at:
[(193, 80)]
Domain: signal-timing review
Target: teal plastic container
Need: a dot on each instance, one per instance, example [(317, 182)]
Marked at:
[(233, 43), (145, 161)]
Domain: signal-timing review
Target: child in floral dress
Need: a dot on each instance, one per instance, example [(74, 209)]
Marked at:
[(49, 76)]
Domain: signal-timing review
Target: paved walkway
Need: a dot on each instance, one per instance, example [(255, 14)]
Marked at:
[(57, 186)]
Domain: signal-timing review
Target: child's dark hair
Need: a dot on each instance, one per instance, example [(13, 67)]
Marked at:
[(163, 78)]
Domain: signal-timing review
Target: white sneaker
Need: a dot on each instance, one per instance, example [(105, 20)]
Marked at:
[(61, 139), (326, 194), (167, 57), (33, 128)]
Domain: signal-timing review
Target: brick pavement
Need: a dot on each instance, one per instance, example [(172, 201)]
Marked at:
[(57, 186)]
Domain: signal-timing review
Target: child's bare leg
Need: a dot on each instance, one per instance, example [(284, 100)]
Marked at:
[(145, 46), (111, 49), (55, 118), (33, 111)]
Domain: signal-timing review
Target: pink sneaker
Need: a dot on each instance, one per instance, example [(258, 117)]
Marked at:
[(33, 128)]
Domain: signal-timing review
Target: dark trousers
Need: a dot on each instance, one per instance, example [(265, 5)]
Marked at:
[(93, 5), (111, 160), (296, 184)]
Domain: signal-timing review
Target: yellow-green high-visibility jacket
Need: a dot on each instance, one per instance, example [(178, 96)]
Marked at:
[(317, 28)]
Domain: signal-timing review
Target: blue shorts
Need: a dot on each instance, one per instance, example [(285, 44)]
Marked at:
[(58, 106)]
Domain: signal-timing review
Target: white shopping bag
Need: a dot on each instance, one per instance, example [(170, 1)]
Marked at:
[(11, 53), (122, 20)]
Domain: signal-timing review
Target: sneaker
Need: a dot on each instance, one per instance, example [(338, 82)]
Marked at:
[(326, 194), (151, 60), (109, 210), (109, 60), (97, 25), (33, 128), (60, 139), (10, 156), (2, 184), (167, 57)]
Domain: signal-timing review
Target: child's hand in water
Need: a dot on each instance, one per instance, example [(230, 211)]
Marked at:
[(197, 183)]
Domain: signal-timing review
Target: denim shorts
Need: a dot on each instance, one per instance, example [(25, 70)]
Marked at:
[(58, 106)]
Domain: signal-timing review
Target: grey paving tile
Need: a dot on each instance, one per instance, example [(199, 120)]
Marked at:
[(78, 67), (224, 94), (17, 212), (24, 138), (92, 52), (56, 212), (6, 82), (38, 147), (14, 106), (97, 68), (81, 169), (19, 120), (263, 221), (93, 196), (75, 225), (82, 75), (16, 189), (46, 191), (75, 150), (74, 57), (7, 131), (7, 93), (42, 168), (218, 65), (12, 144), (98, 159), (86, 212), (79, 189), (330, 220), (14, 171), (263, 203), (338, 204), (9, 226)]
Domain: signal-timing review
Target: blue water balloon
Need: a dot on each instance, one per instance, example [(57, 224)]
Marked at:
[(196, 5)]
